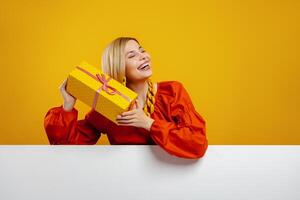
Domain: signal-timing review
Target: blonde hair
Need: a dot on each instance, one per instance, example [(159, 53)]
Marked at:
[(113, 64), (113, 58)]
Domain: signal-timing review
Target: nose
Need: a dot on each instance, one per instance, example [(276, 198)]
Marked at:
[(143, 56)]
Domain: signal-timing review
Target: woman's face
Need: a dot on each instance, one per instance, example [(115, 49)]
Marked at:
[(137, 62)]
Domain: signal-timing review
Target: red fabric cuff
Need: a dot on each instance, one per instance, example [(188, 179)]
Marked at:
[(68, 114)]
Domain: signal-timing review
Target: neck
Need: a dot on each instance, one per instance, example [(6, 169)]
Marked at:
[(141, 89)]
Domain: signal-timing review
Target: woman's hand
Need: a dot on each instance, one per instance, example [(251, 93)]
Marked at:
[(135, 117), (69, 100)]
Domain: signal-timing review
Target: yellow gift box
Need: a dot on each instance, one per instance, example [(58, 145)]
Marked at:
[(96, 89)]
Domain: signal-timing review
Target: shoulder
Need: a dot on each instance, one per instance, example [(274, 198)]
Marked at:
[(171, 88)]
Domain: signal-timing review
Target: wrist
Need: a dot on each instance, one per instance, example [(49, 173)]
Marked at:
[(68, 107), (149, 124)]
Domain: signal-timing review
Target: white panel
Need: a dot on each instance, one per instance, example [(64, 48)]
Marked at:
[(147, 172)]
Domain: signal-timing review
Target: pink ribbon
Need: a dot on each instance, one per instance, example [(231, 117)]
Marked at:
[(107, 88)]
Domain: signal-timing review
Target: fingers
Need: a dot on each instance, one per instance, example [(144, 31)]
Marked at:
[(67, 97), (125, 117), (62, 87), (131, 112), (126, 122)]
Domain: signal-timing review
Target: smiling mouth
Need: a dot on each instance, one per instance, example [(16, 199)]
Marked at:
[(144, 67)]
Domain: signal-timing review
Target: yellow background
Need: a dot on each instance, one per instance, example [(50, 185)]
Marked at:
[(239, 60)]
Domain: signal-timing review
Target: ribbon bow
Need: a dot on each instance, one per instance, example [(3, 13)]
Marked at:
[(105, 86)]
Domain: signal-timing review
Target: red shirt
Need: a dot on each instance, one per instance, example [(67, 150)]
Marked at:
[(178, 128)]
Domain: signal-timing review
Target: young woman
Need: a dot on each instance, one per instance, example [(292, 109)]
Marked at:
[(163, 113)]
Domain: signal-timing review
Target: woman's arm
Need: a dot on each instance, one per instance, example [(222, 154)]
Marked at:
[(185, 135), (62, 127)]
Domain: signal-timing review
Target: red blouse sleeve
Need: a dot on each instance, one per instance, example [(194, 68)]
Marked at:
[(185, 135), (62, 127)]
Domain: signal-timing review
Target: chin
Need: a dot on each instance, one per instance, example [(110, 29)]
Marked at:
[(147, 75), (144, 74)]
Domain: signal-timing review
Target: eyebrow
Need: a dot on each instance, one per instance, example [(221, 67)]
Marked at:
[(132, 50)]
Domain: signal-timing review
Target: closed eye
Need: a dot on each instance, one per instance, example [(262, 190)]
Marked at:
[(131, 56)]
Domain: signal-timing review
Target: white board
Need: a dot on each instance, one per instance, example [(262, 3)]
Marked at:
[(142, 172)]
